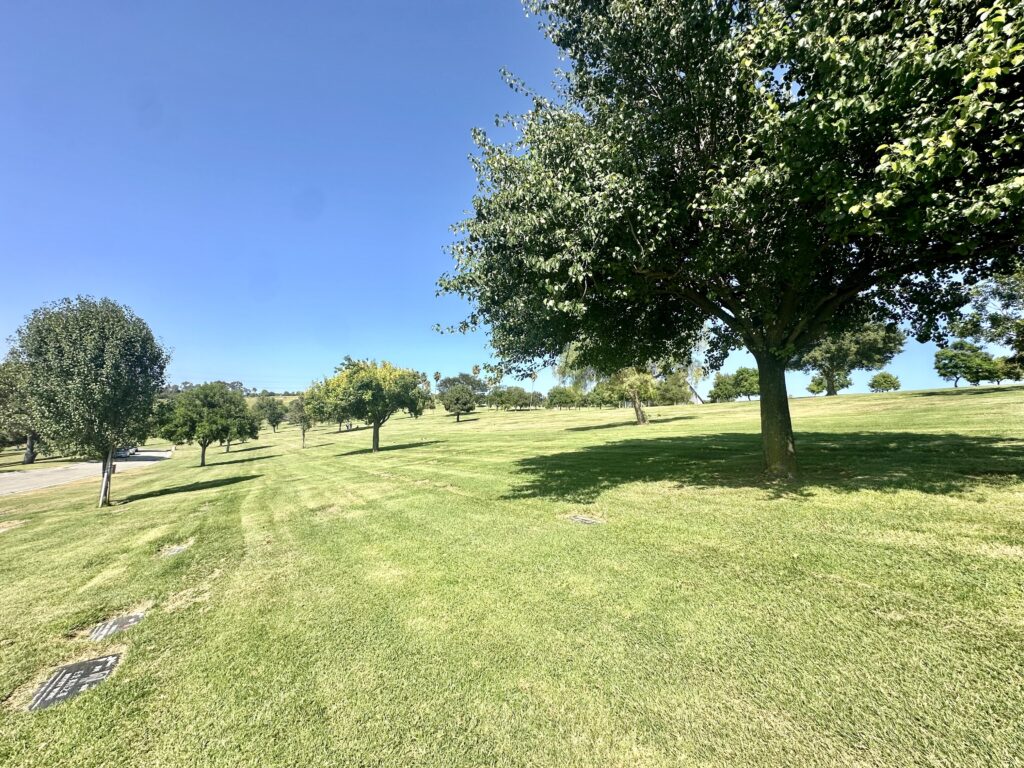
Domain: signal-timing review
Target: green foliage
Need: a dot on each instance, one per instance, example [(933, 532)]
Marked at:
[(472, 382), (963, 360), (773, 175), (458, 399), (270, 409), (817, 385), (373, 392), (299, 416), (884, 382), (209, 413), (564, 397), (835, 357), (94, 370), (15, 405), (326, 402), (746, 382), (727, 387), (996, 314)]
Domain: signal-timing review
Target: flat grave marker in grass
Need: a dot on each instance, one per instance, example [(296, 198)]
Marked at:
[(115, 625), (584, 520), (72, 679), (174, 549)]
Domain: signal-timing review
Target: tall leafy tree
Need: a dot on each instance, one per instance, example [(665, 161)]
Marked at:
[(774, 171), (207, 414), (94, 370), (374, 392), (870, 348)]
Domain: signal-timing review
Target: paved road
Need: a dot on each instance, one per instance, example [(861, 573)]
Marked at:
[(34, 479)]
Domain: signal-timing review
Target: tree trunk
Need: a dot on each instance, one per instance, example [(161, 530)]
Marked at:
[(108, 466), (831, 388), (376, 436), (202, 454), (457, 417), (776, 426), (30, 449), (227, 447), (638, 410), (303, 437)]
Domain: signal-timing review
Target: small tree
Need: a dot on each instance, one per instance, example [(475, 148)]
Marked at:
[(375, 392), (835, 357), (94, 371), (884, 382), (963, 360), (723, 389), (474, 383), (299, 416), (206, 414), (270, 409), (459, 399), (245, 425), (817, 385), (638, 386), (746, 383)]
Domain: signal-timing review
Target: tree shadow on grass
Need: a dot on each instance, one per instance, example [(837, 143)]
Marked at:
[(251, 448), (214, 463), (202, 485), (630, 423), (962, 391), (846, 462), (385, 448)]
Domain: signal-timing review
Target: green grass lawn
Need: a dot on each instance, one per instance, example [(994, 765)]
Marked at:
[(10, 461), (433, 605)]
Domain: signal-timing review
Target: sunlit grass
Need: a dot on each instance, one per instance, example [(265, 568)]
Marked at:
[(433, 604)]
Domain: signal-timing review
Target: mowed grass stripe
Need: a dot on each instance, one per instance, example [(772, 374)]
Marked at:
[(433, 605)]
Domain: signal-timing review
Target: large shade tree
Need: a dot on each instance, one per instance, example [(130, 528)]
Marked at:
[(836, 356), (774, 171), (94, 371), (373, 392)]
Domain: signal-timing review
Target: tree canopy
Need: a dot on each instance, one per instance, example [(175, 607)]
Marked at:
[(16, 425), (93, 370), (373, 392), (884, 382), (836, 356), (206, 414), (270, 409), (775, 173), (963, 360), (996, 314), (458, 399)]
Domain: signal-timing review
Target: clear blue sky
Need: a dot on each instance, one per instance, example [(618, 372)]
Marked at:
[(269, 185)]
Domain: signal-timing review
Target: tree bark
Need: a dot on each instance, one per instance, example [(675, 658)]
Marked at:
[(638, 410), (831, 388), (376, 436), (108, 466), (457, 417), (776, 427), (303, 438), (227, 447), (30, 449), (202, 454)]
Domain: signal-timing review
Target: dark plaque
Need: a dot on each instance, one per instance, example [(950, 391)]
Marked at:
[(72, 679), (584, 520), (115, 625)]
